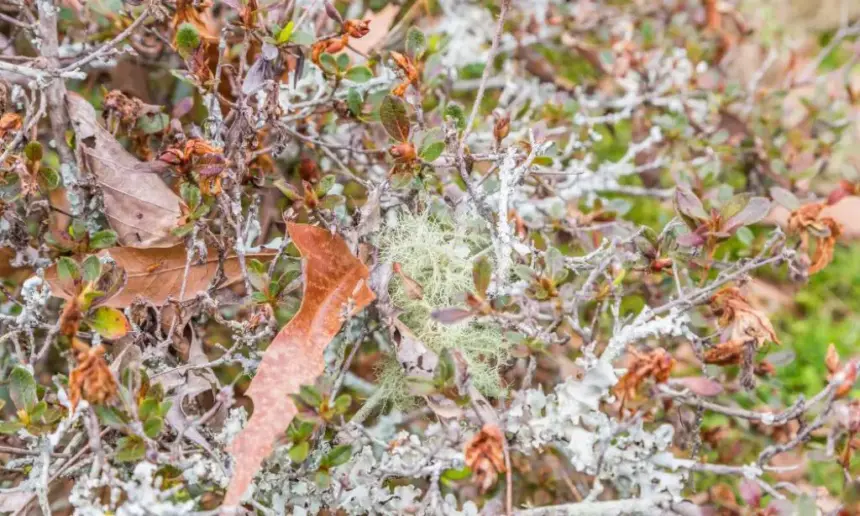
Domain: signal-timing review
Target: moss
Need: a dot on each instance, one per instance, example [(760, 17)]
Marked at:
[(438, 253)]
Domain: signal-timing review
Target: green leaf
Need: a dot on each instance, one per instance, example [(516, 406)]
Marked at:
[(68, 270), (38, 411), (103, 239), (342, 61), (359, 74), (300, 430), (299, 452), (301, 37), (152, 124), (354, 101), (431, 151), (258, 275), (328, 63), (322, 479), (481, 273), (416, 43), (147, 408), (110, 416), (745, 235), (10, 427), (152, 427), (337, 456), (187, 39), (22, 389), (109, 322), (392, 114), (92, 267), (325, 185), (455, 112), (33, 151), (50, 178), (286, 33), (190, 195), (735, 205), (130, 449), (182, 230), (310, 395), (342, 403), (452, 475), (785, 198)]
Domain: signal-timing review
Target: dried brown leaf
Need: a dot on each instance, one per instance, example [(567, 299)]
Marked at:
[(140, 207), (156, 274), (485, 456), (335, 283), (92, 379)]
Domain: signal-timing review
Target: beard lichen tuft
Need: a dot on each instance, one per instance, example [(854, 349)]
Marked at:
[(439, 253)]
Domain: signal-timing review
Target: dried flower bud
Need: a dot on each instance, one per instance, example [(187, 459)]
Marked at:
[(485, 456), (9, 122), (356, 28), (310, 196), (91, 379), (404, 152), (309, 170), (502, 126)]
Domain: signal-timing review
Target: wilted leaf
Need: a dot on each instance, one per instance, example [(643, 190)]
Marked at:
[(140, 207), (155, 274), (333, 279), (392, 114)]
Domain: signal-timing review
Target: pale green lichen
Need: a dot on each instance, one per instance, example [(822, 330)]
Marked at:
[(439, 252)]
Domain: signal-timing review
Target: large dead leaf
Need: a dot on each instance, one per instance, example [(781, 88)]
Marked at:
[(156, 274), (334, 280), (140, 207)]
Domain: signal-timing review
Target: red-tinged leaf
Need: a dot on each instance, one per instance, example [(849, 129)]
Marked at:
[(688, 204), (756, 209), (699, 385), (750, 492), (334, 279), (691, 239), (392, 114), (451, 315)]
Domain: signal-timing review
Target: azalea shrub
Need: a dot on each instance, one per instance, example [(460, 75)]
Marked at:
[(433, 257)]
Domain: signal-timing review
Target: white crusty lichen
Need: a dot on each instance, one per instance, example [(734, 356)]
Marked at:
[(141, 495), (630, 457), (359, 487)]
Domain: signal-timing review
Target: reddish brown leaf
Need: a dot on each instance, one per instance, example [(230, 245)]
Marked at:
[(156, 274), (335, 280)]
